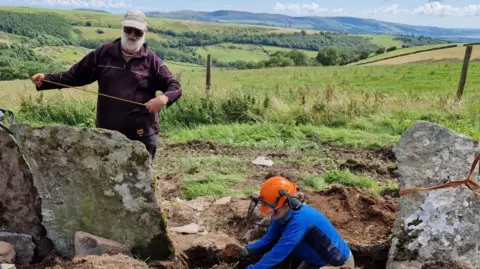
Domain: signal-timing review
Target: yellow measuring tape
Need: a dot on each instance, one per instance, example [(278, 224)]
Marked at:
[(97, 93)]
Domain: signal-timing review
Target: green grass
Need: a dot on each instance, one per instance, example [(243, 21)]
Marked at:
[(347, 178), (383, 40), (368, 106), (399, 51), (281, 136)]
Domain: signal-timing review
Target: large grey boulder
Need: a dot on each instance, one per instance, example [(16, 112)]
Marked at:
[(96, 181), (438, 224), (20, 209)]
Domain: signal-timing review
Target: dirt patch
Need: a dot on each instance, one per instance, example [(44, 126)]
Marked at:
[(447, 264), (364, 221), (379, 163), (90, 262)]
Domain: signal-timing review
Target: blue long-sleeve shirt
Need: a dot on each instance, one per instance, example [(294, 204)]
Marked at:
[(307, 234)]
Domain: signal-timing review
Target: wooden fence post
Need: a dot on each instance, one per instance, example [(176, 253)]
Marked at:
[(209, 72), (463, 77)]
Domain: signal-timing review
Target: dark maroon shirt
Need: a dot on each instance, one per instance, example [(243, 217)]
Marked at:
[(136, 80)]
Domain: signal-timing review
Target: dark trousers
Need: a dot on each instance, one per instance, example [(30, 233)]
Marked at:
[(150, 143)]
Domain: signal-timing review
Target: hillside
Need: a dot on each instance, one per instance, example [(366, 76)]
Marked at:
[(338, 24), (455, 53), (27, 34)]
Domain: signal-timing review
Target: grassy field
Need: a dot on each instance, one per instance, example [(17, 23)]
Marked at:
[(399, 52), (229, 52), (372, 99), (450, 53), (383, 40)]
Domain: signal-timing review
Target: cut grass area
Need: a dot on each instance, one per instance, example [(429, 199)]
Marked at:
[(401, 51), (457, 53), (281, 136), (383, 40)]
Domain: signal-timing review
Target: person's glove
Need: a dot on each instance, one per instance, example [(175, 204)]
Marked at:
[(233, 253)]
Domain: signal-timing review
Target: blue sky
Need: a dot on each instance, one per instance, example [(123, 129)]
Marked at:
[(443, 13)]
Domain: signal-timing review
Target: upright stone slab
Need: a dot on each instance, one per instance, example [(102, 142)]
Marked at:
[(20, 209), (439, 224), (96, 181)]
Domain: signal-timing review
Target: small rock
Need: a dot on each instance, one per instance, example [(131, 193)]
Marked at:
[(7, 253), (223, 201), (7, 266), (191, 228), (89, 244), (199, 204), (249, 235), (22, 244), (262, 161)]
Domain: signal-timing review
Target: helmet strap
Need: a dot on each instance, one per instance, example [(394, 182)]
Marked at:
[(293, 202)]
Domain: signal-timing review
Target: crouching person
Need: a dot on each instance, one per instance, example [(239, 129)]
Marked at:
[(296, 229)]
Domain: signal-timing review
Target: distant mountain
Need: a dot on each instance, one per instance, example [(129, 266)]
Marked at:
[(91, 10), (338, 24)]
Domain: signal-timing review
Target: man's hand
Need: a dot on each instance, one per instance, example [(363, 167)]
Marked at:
[(37, 79), (156, 104), (233, 253)]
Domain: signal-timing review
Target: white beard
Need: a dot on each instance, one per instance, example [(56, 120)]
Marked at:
[(132, 46)]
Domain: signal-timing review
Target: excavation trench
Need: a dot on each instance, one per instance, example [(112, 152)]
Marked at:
[(364, 221)]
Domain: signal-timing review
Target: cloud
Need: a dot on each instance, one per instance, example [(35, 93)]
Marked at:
[(300, 8), (436, 8), (392, 9), (78, 3)]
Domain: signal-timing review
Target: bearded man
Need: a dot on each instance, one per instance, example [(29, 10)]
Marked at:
[(127, 69)]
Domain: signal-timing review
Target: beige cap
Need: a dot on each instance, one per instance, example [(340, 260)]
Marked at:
[(136, 19)]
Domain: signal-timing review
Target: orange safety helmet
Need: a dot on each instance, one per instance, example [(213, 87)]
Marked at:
[(270, 197)]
